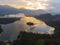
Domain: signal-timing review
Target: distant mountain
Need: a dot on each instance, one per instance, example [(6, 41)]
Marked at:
[(45, 17), (57, 15), (8, 20), (40, 11), (49, 17), (32, 12), (5, 10)]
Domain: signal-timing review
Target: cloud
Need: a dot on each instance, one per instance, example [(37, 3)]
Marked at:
[(28, 4), (13, 16), (54, 6)]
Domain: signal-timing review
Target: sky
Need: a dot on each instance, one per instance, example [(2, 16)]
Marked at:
[(28, 4), (33, 4)]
